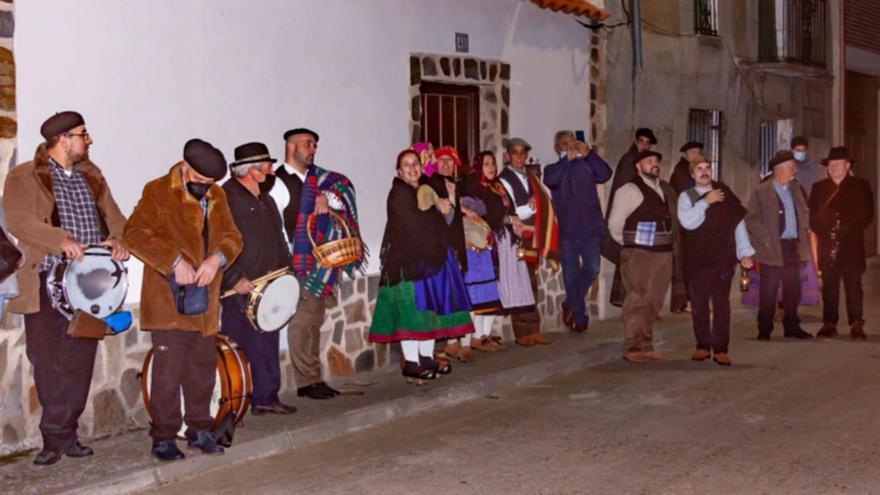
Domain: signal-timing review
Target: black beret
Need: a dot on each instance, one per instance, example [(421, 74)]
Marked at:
[(301, 130), (645, 154), (800, 141), (648, 133), (251, 153), (690, 145), (205, 159), (781, 157), (59, 123)]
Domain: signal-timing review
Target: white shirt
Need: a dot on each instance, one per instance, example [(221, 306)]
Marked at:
[(692, 215), (525, 211), (626, 200), (281, 196)]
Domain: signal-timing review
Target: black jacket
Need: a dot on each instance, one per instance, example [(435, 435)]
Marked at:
[(853, 204)]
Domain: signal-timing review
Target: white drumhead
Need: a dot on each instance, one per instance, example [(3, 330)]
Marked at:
[(97, 284), (216, 397), (277, 303)]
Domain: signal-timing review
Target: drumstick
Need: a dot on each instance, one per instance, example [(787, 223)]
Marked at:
[(257, 281)]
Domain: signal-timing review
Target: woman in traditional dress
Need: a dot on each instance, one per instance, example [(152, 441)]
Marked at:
[(484, 205), (422, 296)]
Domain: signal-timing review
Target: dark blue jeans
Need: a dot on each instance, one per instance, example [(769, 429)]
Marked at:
[(260, 348), (580, 265)]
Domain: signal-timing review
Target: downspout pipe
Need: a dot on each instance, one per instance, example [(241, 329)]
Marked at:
[(635, 7)]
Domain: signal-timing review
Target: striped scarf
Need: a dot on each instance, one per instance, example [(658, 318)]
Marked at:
[(315, 279)]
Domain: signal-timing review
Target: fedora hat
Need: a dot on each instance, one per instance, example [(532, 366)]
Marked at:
[(837, 153), (251, 153)]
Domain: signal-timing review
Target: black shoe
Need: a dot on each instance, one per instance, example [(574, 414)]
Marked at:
[(47, 457), (567, 316), (276, 408), (414, 371), (203, 441), (330, 389), (798, 333), (166, 450), (79, 450), (440, 368), (314, 391)]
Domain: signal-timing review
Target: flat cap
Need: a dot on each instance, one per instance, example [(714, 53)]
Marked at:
[(301, 130), (205, 159), (648, 133), (645, 154), (781, 157), (59, 123), (691, 145), (507, 143)]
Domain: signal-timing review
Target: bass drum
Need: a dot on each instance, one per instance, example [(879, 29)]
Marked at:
[(232, 387)]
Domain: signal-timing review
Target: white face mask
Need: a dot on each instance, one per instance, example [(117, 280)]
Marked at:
[(800, 155), (563, 154)]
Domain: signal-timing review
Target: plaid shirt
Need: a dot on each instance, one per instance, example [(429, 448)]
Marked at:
[(76, 208)]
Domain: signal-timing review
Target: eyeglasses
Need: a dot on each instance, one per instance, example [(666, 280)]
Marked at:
[(84, 134)]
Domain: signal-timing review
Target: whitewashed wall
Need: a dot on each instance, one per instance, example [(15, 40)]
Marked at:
[(150, 75)]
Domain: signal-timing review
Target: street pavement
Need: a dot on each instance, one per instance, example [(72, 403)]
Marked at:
[(789, 417)]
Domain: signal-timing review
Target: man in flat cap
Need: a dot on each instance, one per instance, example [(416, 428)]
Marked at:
[(778, 225), (572, 182), (532, 206), (681, 175), (303, 189), (644, 221), (56, 205), (184, 233), (265, 251), (841, 208)]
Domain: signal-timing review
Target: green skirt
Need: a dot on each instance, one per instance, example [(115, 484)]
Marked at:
[(396, 318)]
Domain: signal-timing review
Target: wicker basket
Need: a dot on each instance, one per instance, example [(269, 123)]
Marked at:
[(338, 253)]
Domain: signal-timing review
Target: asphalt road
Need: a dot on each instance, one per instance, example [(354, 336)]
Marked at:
[(788, 417)]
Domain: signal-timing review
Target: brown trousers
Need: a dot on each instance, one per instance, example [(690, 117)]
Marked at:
[(62, 372), (187, 360), (528, 322), (304, 340), (646, 276)]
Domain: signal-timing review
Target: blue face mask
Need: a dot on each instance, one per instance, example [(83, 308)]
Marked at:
[(800, 155)]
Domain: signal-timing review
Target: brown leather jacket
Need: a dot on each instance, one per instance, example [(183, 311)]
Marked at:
[(167, 222), (29, 203)]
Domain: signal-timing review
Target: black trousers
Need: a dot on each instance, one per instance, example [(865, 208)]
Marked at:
[(789, 275), (711, 285), (260, 348), (852, 288), (181, 360), (62, 372)]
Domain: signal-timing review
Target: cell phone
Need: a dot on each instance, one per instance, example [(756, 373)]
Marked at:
[(580, 135)]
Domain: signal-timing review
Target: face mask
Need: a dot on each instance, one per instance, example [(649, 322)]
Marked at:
[(267, 184), (197, 189), (563, 154), (800, 155)]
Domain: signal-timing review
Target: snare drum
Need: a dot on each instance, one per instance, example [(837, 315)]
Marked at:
[(272, 304), (96, 284), (232, 387)]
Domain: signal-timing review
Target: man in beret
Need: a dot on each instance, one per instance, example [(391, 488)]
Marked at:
[(778, 225), (528, 198), (183, 231), (681, 175), (806, 170), (265, 251), (626, 170), (644, 221), (304, 189), (841, 208), (56, 205)]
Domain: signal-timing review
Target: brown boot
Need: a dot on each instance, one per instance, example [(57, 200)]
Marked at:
[(828, 330), (539, 338), (634, 357), (722, 359), (654, 355), (857, 330), (701, 355), (525, 341)]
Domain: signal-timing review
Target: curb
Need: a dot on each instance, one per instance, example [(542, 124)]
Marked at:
[(374, 415)]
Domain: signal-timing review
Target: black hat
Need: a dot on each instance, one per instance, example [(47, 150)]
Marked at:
[(205, 159), (59, 123), (648, 133), (645, 154), (251, 153), (781, 157), (837, 153), (301, 130), (800, 141), (690, 145)]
